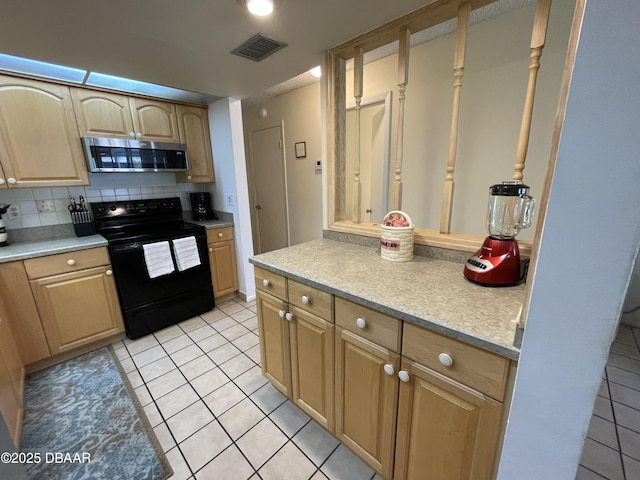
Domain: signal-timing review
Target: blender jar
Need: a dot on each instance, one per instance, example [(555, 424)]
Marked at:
[(510, 209)]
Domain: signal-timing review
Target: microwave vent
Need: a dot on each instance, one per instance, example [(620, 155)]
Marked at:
[(258, 47)]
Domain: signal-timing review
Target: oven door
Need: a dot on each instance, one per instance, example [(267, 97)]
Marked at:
[(136, 289)]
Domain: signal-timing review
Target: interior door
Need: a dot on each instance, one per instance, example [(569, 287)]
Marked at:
[(268, 185), (375, 131)]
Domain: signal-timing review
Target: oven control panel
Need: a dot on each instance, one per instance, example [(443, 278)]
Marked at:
[(136, 207)]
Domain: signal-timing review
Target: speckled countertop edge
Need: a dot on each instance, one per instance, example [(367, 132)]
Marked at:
[(50, 246), (427, 292)]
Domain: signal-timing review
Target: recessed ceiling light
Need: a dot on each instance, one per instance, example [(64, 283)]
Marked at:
[(261, 8), (316, 71)]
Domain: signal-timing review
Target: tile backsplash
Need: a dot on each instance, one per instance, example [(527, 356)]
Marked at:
[(27, 200)]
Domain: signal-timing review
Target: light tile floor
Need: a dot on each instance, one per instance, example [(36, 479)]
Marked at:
[(612, 447), (214, 413)]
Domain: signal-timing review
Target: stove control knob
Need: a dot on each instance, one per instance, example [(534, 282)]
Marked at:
[(102, 209), (113, 207)]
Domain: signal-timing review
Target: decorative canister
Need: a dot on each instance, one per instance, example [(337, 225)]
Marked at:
[(396, 240)]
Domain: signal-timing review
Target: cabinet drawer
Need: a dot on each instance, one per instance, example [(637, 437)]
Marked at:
[(481, 370), (270, 282), (66, 262), (219, 234), (378, 327), (311, 299)]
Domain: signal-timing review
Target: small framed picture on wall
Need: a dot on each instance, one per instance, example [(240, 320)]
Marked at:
[(301, 149)]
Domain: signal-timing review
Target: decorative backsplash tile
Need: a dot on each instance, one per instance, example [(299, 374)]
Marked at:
[(27, 214)]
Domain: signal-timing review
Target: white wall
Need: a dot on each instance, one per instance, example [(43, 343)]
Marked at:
[(492, 100), (299, 111), (589, 243), (225, 120)]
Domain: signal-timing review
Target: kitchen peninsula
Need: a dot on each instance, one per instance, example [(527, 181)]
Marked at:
[(408, 364)]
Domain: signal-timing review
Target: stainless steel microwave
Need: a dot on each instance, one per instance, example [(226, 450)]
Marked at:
[(122, 155)]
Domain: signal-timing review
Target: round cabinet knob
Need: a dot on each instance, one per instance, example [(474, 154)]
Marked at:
[(445, 359), (403, 376), (188, 177), (305, 300), (361, 323), (109, 272), (389, 370), (1, 181), (281, 313), (138, 135), (71, 262), (12, 180), (289, 316), (266, 282), (132, 134), (220, 235), (210, 249)]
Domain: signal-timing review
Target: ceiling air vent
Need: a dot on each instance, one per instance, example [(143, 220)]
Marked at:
[(258, 47)]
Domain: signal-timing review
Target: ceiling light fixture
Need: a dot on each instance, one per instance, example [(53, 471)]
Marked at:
[(316, 71), (261, 8)]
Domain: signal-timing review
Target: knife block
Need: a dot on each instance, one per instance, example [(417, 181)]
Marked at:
[(84, 229)]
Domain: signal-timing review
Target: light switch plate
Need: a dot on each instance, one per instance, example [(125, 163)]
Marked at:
[(45, 206)]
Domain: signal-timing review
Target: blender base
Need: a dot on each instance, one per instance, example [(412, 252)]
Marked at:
[(496, 264)]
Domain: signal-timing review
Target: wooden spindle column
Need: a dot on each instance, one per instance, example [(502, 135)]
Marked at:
[(358, 69), (538, 37), (458, 70), (403, 80)]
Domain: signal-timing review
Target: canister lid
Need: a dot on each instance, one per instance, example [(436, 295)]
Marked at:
[(509, 189)]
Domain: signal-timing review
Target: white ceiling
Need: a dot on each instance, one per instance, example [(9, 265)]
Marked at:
[(186, 43)]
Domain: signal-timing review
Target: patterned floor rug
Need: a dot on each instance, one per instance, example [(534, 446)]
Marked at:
[(82, 420)]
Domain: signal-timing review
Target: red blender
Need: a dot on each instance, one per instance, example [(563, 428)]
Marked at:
[(497, 263)]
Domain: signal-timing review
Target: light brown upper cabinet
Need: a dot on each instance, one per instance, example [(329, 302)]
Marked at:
[(101, 114), (39, 141), (193, 124)]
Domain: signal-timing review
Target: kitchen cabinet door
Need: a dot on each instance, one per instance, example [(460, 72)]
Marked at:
[(11, 382), (39, 139), (193, 123), (102, 114), (444, 428), (275, 354), (366, 399), (222, 258), (312, 366), (19, 309), (154, 120), (78, 308)]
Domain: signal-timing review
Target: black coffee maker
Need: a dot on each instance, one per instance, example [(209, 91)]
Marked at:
[(201, 206)]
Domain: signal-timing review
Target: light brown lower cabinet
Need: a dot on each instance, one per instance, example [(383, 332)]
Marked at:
[(446, 431), (78, 308), (296, 349), (408, 421), (222, 260), (76, 297), (366, 399), (275, 353)]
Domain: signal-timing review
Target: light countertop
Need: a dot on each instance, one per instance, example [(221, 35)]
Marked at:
[(428, 292)]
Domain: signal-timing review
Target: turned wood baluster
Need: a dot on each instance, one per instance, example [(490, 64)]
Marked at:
[(458, 69), (358, 68), (538, 37), (403, 80)]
